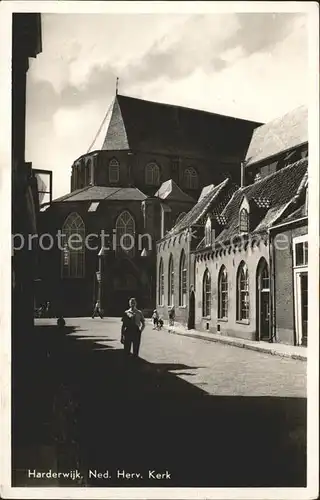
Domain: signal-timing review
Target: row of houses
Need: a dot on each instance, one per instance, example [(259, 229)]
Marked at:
[(237, 262)]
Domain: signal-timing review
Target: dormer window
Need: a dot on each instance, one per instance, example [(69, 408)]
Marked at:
[(244, 221), (208, 233), (114, 171)]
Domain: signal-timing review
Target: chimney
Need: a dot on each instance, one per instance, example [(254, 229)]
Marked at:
[(242, 174)]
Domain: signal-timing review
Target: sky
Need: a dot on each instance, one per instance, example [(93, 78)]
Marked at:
[(248, 65)]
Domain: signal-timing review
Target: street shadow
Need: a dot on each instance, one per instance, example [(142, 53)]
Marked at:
[(130, 415)]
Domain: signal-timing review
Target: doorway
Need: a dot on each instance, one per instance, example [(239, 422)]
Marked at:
[(301, 307), (263, 301)]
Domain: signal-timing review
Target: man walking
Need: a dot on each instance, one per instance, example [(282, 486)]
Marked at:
[(133, 324), (97, 310)]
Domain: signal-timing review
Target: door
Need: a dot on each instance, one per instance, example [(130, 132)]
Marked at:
[(302, 307), (191, 318), (263, 301)]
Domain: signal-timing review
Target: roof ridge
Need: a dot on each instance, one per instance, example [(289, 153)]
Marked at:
[(68, 195), (188, 108), (291, 165)]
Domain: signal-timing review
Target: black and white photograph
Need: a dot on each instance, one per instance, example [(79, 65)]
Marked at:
[(160, 259)]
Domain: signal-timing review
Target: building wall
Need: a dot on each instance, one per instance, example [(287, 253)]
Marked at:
[(232, 327), (284, 285), (132, 170), (174, 247), (77, 296)]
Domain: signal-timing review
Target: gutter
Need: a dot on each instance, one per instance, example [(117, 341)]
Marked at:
[(283, 224)]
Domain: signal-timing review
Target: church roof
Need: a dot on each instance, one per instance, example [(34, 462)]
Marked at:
[(279, 135), (170, 191), (138, 124), (100, 193)]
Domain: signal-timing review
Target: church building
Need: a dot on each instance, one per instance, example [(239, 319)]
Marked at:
[(144, 176)]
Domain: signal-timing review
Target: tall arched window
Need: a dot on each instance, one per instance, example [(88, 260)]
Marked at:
[(206, 294), (73, 254), (242, 292), (125, 233), (87, 173), (161, 284), (170, 282), (208, 233), (223, 293), (152, 174), (114, 170), (244, 221), (190, 178), (183, 280)]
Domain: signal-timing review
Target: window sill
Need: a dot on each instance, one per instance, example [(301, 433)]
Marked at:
[(182, 307), (243, 321), (223, 319), (206, 318)]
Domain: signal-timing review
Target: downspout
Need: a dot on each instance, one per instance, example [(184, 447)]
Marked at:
[(273, 289)]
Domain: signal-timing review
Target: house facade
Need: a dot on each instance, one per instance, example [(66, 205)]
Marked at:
[(145, 176), (234, 272)]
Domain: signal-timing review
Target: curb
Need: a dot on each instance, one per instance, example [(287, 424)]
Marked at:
[(240, 344)]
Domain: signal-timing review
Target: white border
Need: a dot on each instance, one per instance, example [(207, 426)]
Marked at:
[(134, 7)]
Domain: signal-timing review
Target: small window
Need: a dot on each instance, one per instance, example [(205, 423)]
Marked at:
[(152, 174), (301, 253), (190, 178), (114, 171), (244, 221), (208, 233)]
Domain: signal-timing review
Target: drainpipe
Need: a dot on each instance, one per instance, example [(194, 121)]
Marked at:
[(272, 289)]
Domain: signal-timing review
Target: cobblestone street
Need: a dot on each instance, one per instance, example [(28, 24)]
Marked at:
[(210, 414)]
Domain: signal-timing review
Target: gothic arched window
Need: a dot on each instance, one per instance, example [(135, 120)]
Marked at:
[(152, 174), (125, 233), (242, 292), (171, 282), (183, 280), (73, 254), (223, 293), (161, 284), (244, 221), (190, 178), (114, 171), (206, 294)]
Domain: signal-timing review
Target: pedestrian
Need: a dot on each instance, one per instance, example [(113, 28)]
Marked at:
[(155, 317), (160, 323), (133, 324), (97, 310), (172, 316)]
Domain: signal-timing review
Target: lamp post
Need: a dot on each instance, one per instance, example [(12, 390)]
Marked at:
[(99, 273)]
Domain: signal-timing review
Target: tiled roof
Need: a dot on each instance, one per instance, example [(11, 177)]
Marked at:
[(193, 216), (169, 190), (138, 124), (280, 187), (279, 135), (297, 214), (99, 193)]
